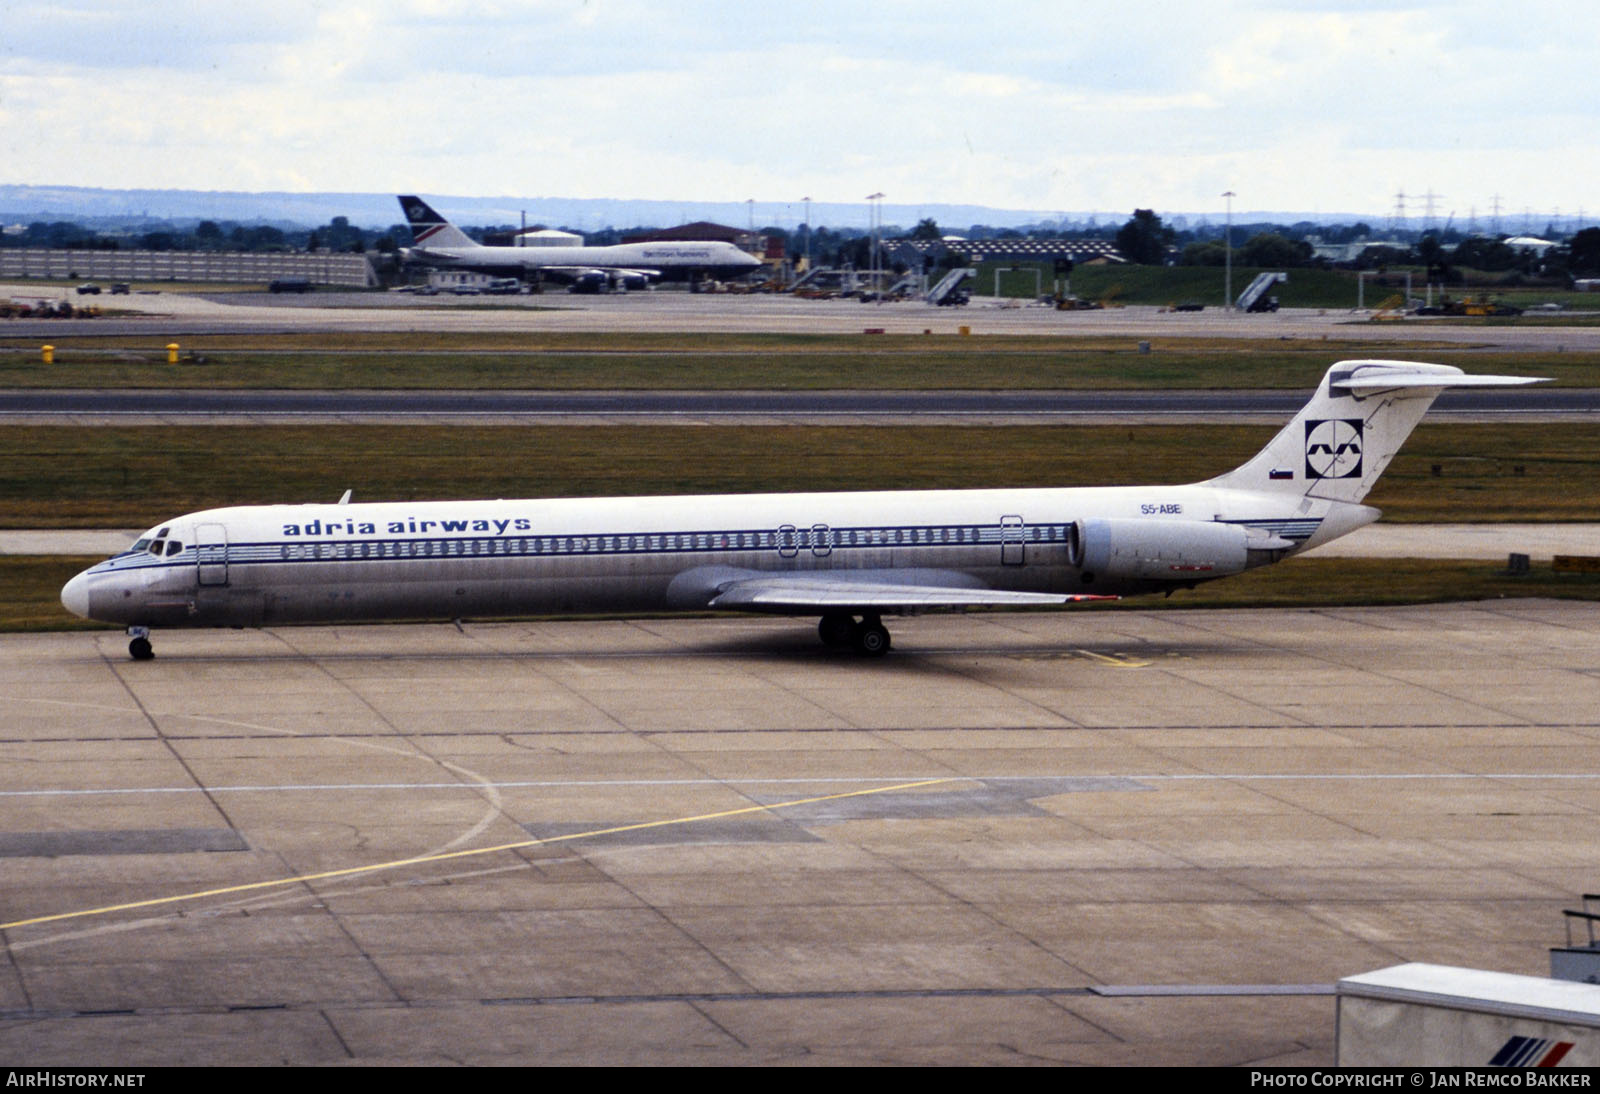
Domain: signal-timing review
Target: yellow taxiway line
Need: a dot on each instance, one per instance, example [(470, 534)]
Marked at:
[(447, 855)]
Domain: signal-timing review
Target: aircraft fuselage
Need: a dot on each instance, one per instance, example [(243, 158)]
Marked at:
[(709, 258), (847, 558), (263, 565)]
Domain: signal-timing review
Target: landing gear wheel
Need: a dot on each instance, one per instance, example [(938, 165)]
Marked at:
[(871, 638), (837, 630), (140, 649)]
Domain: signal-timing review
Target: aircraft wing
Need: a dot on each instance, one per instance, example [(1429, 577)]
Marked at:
[(806, 593), (604, 271)]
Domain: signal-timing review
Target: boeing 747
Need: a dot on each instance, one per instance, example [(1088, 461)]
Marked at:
[(846, 558), (437, 242)]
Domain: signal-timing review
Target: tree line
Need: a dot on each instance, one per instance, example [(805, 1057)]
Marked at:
[(1143, 239), (210, 235)]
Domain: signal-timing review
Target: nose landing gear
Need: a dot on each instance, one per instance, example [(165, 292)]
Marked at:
[(139, 647)]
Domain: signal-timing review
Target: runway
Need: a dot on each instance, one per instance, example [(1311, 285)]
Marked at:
[(158, 407), (1135, 837)]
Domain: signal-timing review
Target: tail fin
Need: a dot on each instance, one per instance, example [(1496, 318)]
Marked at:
[(1342, 440), (428, 228)]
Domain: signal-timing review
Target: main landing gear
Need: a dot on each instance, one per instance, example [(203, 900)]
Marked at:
[(869, 636), (139, 647)]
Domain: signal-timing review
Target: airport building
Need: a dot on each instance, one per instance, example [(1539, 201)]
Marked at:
[(547, 237), (533, 237), (705, 231), (353, 270), (1077, 251)]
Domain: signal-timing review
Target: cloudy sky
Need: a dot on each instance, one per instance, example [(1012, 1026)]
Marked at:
[(1331, 106)]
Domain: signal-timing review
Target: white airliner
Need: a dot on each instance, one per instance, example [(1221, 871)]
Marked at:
[(440, 243), (848, 558)]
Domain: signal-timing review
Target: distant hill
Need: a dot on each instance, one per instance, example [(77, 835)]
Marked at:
[(91, 207)]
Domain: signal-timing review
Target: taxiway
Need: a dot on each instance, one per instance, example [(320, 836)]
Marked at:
[(690, 408), (172, 314), (1133, 837)]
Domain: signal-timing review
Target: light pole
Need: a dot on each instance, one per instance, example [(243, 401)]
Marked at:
[(876, 222), (807, 200), (1227, 256)]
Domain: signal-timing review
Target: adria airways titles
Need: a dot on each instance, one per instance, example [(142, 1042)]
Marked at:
[(440, 243), (845, 558)]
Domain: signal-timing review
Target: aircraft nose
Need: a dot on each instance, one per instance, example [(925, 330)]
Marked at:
[(75, 595)]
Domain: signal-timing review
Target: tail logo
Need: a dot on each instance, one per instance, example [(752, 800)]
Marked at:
[(415, 213), (1333, 448)]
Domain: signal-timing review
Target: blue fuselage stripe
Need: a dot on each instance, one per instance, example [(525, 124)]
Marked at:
[(785, 541)]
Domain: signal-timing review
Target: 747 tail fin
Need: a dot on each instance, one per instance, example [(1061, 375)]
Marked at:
[(428, 228)]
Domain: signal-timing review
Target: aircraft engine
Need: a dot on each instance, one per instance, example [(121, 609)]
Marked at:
[(1175, 550)]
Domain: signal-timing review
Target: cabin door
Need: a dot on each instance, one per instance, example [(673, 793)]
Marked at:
[(211, 554), (1012, 542), (788, 541)]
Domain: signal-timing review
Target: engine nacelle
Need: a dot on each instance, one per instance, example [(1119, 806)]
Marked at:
[(1170, 550)]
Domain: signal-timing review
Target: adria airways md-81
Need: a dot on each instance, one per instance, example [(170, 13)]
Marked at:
[(437, 242), (847, 558)]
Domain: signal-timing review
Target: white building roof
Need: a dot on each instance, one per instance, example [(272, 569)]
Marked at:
[(549, 237)]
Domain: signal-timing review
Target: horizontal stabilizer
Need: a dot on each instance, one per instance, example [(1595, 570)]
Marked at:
[(1386, 380)]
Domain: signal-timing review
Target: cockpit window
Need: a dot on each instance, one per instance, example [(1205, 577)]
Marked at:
[(173, 547), (163, 533), (140, 544)]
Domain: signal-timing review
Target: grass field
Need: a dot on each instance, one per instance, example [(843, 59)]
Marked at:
[(133, 476), (732, 362)]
